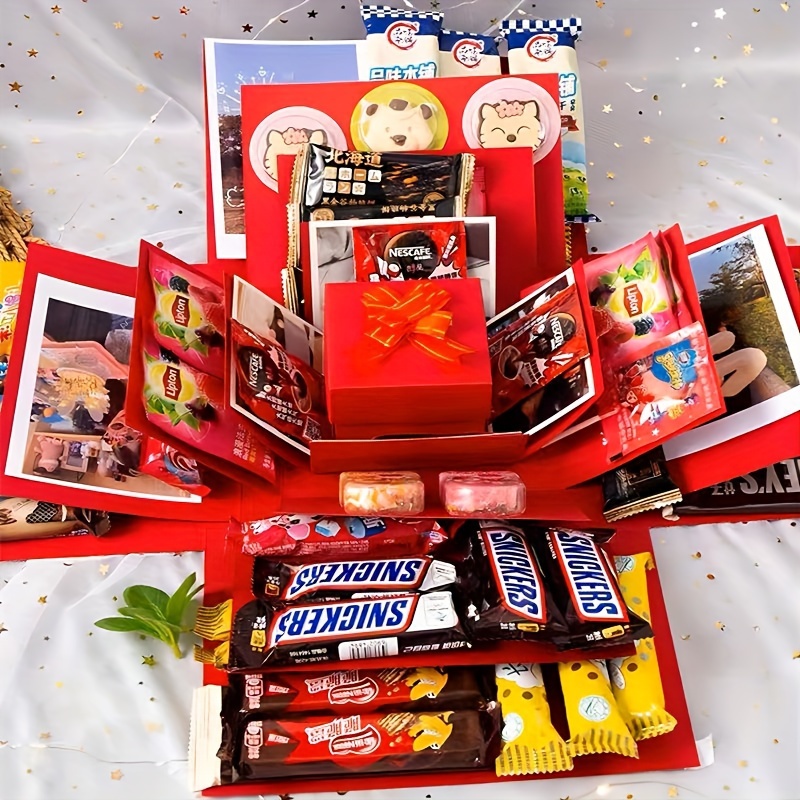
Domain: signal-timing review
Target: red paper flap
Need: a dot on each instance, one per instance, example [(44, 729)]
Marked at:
[(763, 446), (84, 271)]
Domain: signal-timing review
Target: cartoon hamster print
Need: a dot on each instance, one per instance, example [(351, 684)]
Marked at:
[(510, 124), (398, 125), (288, 142)]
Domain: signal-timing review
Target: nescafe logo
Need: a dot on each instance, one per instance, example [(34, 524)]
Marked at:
[(172, 382), (411, 254), (633, 300), (180, 310)]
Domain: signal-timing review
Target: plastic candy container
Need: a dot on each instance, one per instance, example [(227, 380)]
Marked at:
[(389, 493), (482, 494)]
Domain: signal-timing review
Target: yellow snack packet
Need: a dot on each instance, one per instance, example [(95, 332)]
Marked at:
[(636, 680), (595, 723), (10, 290), (531, 744)]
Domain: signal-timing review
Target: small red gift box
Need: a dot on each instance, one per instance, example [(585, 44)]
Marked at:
[(406, 357)]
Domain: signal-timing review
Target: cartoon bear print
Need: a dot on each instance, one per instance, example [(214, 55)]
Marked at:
[(398, 125), (288, 142), (510, 124)]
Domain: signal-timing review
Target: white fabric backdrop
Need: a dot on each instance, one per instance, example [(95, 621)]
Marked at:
[(104, 141)]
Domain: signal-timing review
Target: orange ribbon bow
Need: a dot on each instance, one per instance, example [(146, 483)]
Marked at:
[(417, 316)]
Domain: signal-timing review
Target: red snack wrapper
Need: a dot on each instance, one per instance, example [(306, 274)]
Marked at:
[(410, 252), (669, 386), (278, 388), (189, 318), (319, 538), (531, 351), (189, 405), (411, 688), (370, 742), (172, 467)]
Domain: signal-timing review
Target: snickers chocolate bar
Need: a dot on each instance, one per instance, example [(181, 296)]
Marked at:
[(512, 599), (350, 690), (585, 588), (264, 635), (283, 582), (366, 743)]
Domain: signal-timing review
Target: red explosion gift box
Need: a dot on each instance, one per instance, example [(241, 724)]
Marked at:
[(406, 357)]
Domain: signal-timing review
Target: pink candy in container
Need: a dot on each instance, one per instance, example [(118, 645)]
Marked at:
[(381, 493), (482, 494), (632, 296)]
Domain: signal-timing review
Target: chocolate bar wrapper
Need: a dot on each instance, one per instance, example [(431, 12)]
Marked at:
[(21, 518), (367, 743), (252, 695), (319, 538), (510, 599), (265, 635), (640, 485), (331, 184), (584, 583), (276, 581), (772, 490)]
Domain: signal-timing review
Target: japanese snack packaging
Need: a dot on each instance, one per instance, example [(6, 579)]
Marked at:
[(640, 485), (320, 538), (11, 273), (21, 518), (189, 318), (547, 46), (401, 44), (465, 54), (636, 679), (531, 745), (410, 252)]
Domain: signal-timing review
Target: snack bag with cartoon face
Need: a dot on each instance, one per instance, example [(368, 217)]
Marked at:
[(545, 46), (288, 143), (467, 54), (401, 45), (511, 124), (189, 317)]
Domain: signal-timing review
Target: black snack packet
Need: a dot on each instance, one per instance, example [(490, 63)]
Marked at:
[(279, 582), (332, 184), (772, 490), (584, 583), (509, 597), (640, 485)]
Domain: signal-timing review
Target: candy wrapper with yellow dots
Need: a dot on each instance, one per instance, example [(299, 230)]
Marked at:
[(531, 744), (595, 722), (636, 679)]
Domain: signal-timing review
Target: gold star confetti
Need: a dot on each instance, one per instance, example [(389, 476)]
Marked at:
[(99, 236), (686, 637), (3, 628), (184, 10), (742, 763), (43, 598), (177, 185), (702, 163), (116, 775), (774, 120), (672, 791), (149, 661), (117, 25), (602, 63), (768, 161), (720, 626), (599, 3), (711, 576), (617, 145), (51, 190), (719, 82), (55, 9), (747, 49), (713, 205), (15, 87), (32, 53), (103, 569), (647, 139), (785, 6), (795, 655), (610, 176), (158, 54), (152, 206), (628, 32), (719, 13), (153, 727), (44, 736), (607, 108), (155, 18), (59, 684), (723, 139), (140, 87)]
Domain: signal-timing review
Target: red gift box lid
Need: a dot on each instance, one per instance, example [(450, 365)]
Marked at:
[(367, 382)]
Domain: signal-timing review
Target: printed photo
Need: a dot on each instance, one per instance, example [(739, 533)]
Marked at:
[(754, 338), (69, 423), (231, 64)]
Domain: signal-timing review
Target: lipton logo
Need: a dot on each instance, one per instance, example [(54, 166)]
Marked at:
[(516, 573), (172, 382), (403, 34), (591, 585), (359, 693), (632, 298), (361, 742), (180, 310)]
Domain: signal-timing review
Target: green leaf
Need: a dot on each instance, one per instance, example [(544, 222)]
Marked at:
[(146, 597), (661, 306), (198, 346), (123, 624), (607, 279), (176, 607), (159, 627)]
